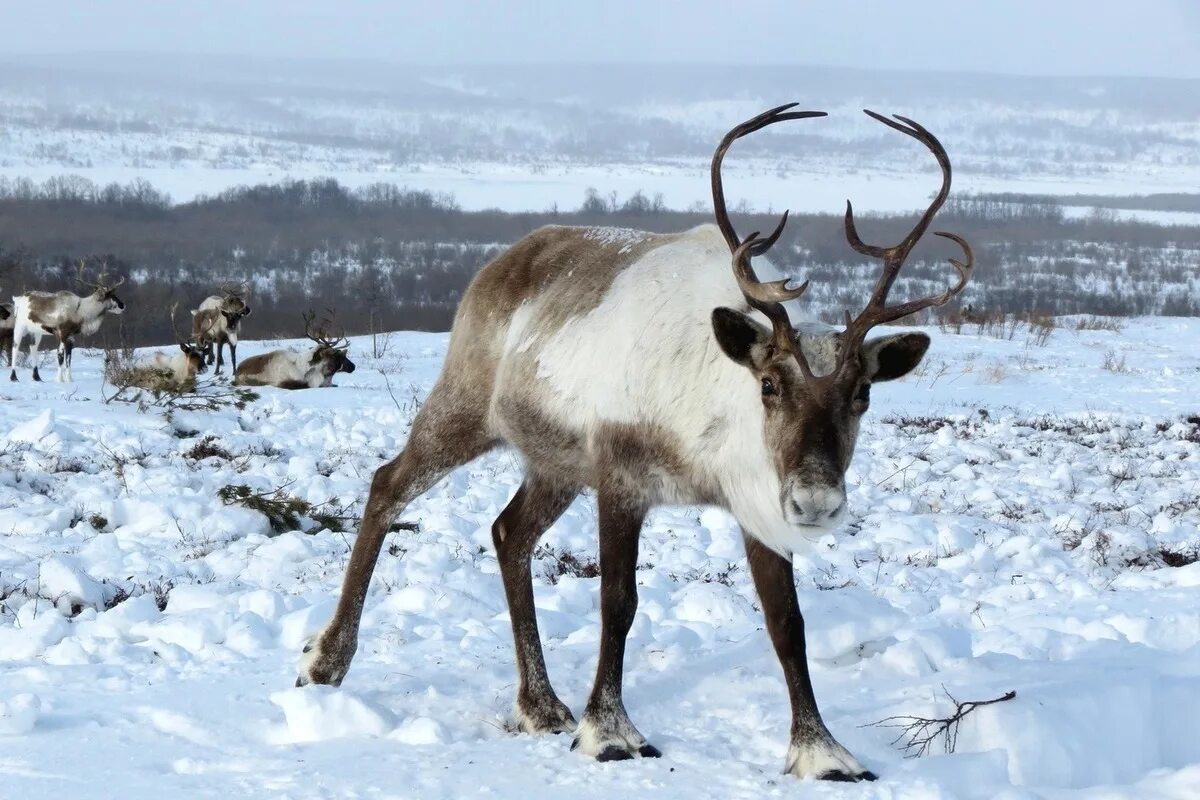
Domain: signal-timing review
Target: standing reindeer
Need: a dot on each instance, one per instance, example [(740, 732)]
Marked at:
[(218, 322), (8, 320), (307, 370), (642, 366), (63, 314)]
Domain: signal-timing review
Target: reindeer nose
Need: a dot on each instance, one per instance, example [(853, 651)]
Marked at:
[(816, 505)]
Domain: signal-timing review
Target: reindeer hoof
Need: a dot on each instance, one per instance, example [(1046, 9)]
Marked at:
[(612, 753), (617, 740), (838, 776), (544, 715), (825, 760), (323, 664)]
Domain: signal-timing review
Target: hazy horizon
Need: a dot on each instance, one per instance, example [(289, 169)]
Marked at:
[(1072, 38)]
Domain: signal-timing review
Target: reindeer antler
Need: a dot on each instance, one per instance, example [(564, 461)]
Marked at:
[(233, 289), (100, 283), (765, 296), (320, 334), (181, 338), (876, 311)]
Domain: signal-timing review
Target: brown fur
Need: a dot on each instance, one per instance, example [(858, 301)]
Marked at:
[(248, 371)]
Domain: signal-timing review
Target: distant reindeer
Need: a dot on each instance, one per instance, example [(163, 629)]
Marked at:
[(177, 370), (8, 319), (641, 365), (172, 371), (218, 322), (305, 370), (64, 314)]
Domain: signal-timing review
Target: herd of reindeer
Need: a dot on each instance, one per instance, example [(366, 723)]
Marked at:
[(651, 368), (216, 324)]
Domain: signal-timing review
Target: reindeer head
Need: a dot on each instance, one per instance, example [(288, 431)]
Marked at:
[(329, 355), (102, 292), (233, 301), (193, 353), (815, 387), (195, 358)]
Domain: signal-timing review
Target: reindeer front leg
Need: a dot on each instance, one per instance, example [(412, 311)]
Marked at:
[(233, 354), (35, 356), (606, 732), (813, 751)]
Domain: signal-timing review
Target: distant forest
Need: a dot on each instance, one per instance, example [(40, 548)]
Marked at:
[(386, 258)]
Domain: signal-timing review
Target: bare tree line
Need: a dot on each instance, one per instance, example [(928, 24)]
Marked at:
[(390, 258)]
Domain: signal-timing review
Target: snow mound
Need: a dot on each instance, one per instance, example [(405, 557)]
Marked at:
[(19, 714), (320, 713)]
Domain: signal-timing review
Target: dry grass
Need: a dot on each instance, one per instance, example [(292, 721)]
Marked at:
[(1114, 324), (1115, 362), (1037, 325)]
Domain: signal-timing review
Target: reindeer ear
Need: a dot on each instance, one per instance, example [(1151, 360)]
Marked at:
[(740, 338), (183, 347), (892, 357)]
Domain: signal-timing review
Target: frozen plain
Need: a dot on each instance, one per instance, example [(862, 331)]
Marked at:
[(1013, 511)]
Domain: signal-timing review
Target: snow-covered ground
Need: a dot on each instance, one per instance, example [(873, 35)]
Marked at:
[(1014, 511)]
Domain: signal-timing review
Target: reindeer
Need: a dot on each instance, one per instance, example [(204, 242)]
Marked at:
[(8, 320), (642, 366), (307, 370), (218, 321), (65, 315), (174, 371)]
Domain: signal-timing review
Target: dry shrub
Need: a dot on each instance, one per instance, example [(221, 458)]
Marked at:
[(1113, 324)]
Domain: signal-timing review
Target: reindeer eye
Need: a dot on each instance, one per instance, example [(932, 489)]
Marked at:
[(768, 387), (862, 398)]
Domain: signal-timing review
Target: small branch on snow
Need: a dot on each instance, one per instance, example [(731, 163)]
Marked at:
[(917, 734)]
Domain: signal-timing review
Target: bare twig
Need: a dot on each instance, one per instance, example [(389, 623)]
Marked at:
[(917, 734)]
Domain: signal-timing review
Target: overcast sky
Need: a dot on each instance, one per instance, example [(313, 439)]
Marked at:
[(1045, 37)]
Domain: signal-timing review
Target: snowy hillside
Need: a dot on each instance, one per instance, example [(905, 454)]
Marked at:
[(521, 138), (1024, 518)]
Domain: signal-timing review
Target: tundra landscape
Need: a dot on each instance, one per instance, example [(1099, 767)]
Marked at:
[(988, 510)]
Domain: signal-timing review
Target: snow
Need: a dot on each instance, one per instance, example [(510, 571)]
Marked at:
[(1010, 507)]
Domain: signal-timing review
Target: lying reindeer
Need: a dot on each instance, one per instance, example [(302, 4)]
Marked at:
[(182, 367), (63, 314), (218, 321), (306, 370), (170, 372)]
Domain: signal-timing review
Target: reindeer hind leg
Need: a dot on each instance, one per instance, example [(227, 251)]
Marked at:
[(537, 504)]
